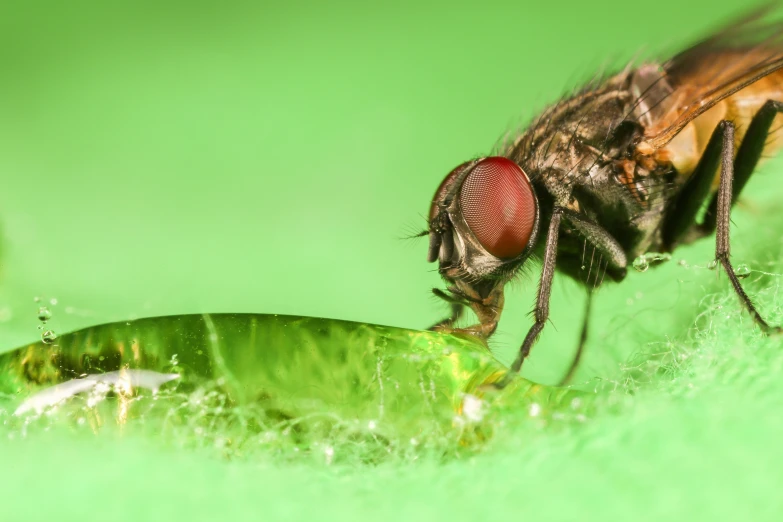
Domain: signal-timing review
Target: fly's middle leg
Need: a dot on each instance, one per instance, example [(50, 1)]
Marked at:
[(582, 341)]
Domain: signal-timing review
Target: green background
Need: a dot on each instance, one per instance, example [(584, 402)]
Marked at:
[(182, 157)]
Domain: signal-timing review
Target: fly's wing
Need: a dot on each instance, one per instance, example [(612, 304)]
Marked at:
[(695, 80)]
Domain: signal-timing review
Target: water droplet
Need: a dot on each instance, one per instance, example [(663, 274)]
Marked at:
[(44, 314), (641, 264), (48, 337), (742, 271), (712, 264), (53, 301), (37, 299)]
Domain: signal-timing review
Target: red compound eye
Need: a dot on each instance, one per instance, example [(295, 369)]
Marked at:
[(499, 206), (444, 187)]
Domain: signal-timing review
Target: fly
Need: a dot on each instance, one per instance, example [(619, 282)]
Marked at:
[(639, 162)]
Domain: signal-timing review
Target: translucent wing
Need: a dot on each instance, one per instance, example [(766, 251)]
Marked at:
[(693, 81)]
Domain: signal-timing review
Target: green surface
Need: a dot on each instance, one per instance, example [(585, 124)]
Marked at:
[(199, 157)]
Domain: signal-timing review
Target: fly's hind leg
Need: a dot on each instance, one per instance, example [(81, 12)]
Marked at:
[(723, 201), (680, 222), (748, 156)]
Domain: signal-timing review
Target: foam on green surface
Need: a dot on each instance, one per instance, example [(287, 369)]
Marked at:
[(691, 432)]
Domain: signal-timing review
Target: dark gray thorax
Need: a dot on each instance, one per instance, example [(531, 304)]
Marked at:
[(578, 154)]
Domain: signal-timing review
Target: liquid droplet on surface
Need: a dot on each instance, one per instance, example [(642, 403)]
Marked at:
[(44, 314), (641, 264), (712, 264), (48, 337), (742, 271)]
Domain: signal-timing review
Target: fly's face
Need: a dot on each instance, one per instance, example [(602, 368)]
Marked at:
[(484, 222)]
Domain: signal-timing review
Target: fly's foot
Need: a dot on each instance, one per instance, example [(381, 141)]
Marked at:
[(473, 333)]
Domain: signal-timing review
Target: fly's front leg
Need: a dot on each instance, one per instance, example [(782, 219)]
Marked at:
[(544, 289), (487, 311), (723, 202), (457, 309)]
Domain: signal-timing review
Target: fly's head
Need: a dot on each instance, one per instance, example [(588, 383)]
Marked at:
[(483, 224)]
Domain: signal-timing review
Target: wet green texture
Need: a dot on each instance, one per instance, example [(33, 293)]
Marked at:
[(304, 381)]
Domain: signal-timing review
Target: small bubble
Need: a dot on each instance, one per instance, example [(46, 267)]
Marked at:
[(53, 301), (44, 314), (683, 263), (712, 264), (742, 271), (37, 299), (48, 337), (329, 453), (641, 264)]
